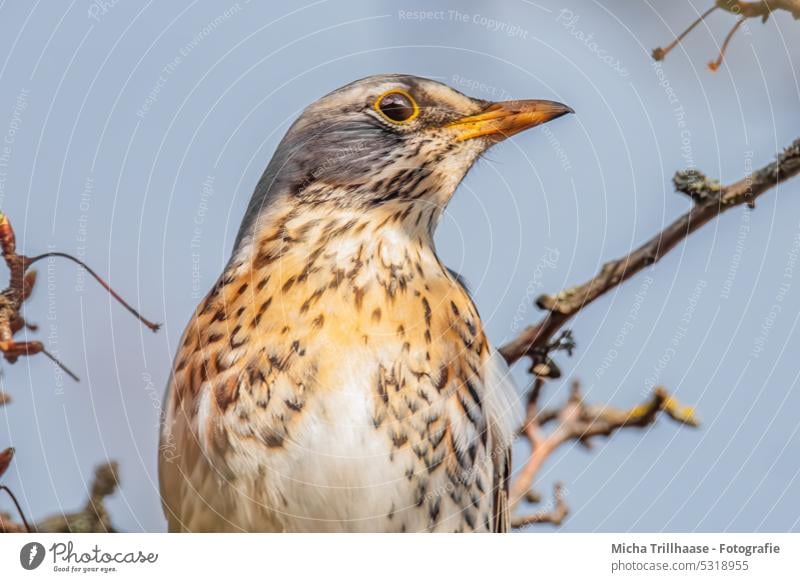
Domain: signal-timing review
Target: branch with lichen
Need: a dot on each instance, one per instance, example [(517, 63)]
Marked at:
[(92, 518), (578, 421), (744, 10)]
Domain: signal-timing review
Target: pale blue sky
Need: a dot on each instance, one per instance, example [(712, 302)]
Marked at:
[(138, 132)]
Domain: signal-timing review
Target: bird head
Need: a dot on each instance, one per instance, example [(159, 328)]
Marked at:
[(389, 139)]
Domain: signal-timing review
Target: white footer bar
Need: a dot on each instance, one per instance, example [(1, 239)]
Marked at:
[(406, 558)]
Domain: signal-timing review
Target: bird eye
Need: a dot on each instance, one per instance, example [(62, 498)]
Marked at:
[(397, 106)]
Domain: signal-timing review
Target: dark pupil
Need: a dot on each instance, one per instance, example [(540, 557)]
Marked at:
[(396, 107)]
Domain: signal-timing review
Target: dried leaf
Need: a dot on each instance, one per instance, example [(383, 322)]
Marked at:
[(5, 459)]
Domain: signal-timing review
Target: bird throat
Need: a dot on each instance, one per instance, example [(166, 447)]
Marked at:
[(315, 243)]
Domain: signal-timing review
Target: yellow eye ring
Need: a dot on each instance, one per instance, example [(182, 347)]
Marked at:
[(394, 105)]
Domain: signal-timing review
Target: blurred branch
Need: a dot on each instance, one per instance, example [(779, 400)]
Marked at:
[(710, 200), (745, 10), (93, 518), (554, 516), (578, 421), (760, 9)]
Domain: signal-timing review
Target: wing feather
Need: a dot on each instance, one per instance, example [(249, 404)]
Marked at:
[(504, 415)]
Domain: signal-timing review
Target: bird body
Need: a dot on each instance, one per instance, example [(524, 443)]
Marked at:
[(337, 377)]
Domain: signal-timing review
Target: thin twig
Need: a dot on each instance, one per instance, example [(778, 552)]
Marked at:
[(659, 53), (745, 10), (714, 65), (61, 365), (153, 326)]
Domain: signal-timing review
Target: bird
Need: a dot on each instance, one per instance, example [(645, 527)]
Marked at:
[(337, 377)]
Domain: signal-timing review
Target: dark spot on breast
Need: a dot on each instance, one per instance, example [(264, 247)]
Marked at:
[(358, 296), (473, 392), (461, 458), (398, 440), (232, 341), (472, 451), (420, 494), (433, 509), (420, 449), (226, 393), (435, 463), (295, 404), (276, 362), (472, 411), (436, 438), (288, 284), (269, 255), (313, 298), (444, 376), (220, 364), (262, 283), (204, 371), (382, 392), (271, 437)]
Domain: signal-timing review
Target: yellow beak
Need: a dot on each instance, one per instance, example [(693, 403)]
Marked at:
[(502, 120)]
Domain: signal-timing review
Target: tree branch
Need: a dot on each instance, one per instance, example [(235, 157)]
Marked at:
[(578, 421), (710, 200), (554, 516), (745, 10)]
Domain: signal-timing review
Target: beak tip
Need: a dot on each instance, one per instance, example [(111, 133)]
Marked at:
[(565, 109)]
